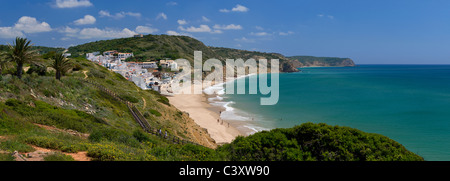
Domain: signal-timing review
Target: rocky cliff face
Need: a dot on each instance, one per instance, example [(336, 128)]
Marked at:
[(288, 66)]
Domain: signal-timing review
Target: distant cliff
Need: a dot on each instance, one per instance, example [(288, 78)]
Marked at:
[(310, 61)]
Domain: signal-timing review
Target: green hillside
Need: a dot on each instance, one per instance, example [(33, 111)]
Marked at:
[(29, 104), (156, 47), (308, 61)]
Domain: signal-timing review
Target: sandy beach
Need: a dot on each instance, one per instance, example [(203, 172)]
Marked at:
[(205, 116)]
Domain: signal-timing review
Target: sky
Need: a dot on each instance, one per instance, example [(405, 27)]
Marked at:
[(368, 31)]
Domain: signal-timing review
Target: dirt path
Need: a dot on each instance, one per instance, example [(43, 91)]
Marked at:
[(40, 153), (145, 103), (85, 74)]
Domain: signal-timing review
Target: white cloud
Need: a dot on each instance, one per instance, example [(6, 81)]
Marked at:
[(24, 25), (89, 33), (237, 8), (259, 28), (97, 33), (10, 32), (72, 3), (327, 16), (205, 19), (31, 25), (260, 34), (240, 8), (161, 15), (286, 33), (245, 40), (145, 29), (170, 32), (87, 20), (228, 27), (69, 30), (171, 3), (200, 29), (119, 15), (182, 22), (103, 13), (174, 33)]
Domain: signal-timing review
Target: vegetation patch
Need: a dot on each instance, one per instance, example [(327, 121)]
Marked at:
[(317, 142)]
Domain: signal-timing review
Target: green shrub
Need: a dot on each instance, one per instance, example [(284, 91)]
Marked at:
[(155, 112), (96, 73), (114, 135), (160, 98), (319, 142), (14, 145), (48, 93), (41, 70), (6, 157), (110, 82), (77, 67), (58, 157), (13, 103), (129, 98), (107, 151), (141, 136), (163, 100), (68, 144)]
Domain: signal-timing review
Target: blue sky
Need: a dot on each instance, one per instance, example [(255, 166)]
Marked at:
[(368, 31)]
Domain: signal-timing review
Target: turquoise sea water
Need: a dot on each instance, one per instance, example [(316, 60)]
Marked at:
[(408, 103)]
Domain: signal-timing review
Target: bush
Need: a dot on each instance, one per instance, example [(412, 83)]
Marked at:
[(13, 103), (51, 142), (76, 67), (155, 112), (113, 135), (141, 136), (129, 98), (96, 73), (163, 100), (58, 157), (6, 157), (319, 142), (41, 70), (14, 145), (107, 151)]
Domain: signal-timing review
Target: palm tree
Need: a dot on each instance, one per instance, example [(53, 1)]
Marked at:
[(4, 63), (20, 52), (61, 64)]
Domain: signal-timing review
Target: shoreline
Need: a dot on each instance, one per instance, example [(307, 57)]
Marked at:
[(206, 116)]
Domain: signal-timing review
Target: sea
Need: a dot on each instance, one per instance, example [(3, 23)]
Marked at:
[(407, 103)]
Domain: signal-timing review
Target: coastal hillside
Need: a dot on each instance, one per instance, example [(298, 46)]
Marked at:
[(85, 115), (310, 61), (156, 47), (73, 116)]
